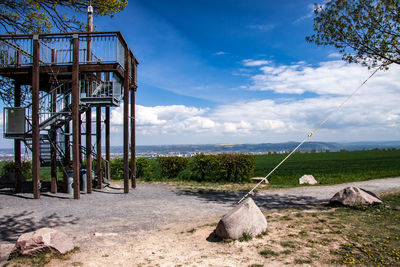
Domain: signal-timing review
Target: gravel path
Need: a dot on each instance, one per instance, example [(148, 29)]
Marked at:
[(148, 207)]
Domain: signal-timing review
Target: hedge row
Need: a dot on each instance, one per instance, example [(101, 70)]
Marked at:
[(234, 168)]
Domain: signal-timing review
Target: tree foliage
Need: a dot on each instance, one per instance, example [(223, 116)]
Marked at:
[(41, 16), (364, 31)]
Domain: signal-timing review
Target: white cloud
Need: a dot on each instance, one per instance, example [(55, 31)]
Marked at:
[(221, 53), (330, 77), (308, 15), (372, 114), (255, 63), (335, 55)]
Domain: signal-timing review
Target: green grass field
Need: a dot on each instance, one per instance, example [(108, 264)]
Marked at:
[(330, 167), (326, 167)]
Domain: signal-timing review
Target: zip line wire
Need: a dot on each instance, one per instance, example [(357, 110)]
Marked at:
[(311, 133)]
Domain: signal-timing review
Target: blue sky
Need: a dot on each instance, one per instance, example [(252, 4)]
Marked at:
[(240, 71)]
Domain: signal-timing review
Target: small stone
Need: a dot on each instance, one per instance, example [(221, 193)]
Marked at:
[(259, 179), (246, 218), (354, 196), (307, 179), (29, 244)]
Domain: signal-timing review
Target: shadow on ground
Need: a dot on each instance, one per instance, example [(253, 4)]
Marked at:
[(264, 201), (12, 226)]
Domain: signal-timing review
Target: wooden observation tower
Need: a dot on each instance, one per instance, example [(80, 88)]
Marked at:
[(70, 75)]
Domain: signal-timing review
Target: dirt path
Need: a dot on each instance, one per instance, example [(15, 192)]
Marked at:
[(114, 228)]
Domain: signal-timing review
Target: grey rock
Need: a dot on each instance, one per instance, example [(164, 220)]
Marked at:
[(355, 196), (259, 179), (246, 218), (29, 244), (307, 179)]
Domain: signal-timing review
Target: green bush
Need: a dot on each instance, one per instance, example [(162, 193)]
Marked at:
[(205, 168), (144, 169), (170, 167), (234, 168), (117, 168), (26, 166)]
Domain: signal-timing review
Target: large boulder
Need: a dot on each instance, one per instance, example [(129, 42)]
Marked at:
[(307, 179), (354, 196), (29, 244), (246, 218)]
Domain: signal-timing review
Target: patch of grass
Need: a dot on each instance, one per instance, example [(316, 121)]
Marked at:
[(287, 252), (245, 237), (303, 233), (262, 234), (191, 231), (266, 253), (288, 244), (40, 259), (372, 234), (302, 261), (256, 265)]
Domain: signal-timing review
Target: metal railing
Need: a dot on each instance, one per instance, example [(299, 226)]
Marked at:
[(15, 51), (100, 90), (46, 113), (106, 47)]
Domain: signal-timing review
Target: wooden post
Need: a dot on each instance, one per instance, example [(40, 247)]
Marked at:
[(126, 121), (75, 114), (67, 130), (133, 139), (98, 148), (107, 123), (53, 140), (17, 145), (35, 117), (53, 134), (89, 148), (89, 110)]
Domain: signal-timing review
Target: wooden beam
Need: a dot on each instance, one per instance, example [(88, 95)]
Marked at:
[(35, 118), (75, 115), (133, 139), (98, 148), (53, 137), (89, 148), (53, 134), (17, 145), (108, 123), (126, 122)]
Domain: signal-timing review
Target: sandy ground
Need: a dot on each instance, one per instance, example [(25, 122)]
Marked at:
[(160, 226), (187, 245)]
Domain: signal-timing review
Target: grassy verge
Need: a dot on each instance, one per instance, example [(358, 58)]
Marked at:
[(327, 167), (41, 259), (366, 237)]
